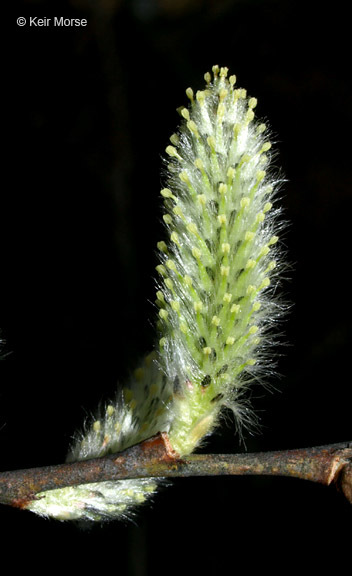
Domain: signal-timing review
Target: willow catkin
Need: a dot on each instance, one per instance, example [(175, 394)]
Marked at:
[(219, 265), (216, 298)]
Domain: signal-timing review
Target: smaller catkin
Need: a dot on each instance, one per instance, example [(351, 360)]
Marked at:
[(216, 298), (139, 412)]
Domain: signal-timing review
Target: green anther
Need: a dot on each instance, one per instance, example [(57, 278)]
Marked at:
[(236, 130), (171, 265), (221, 111), (211, 143), (245, 158), (161, 269), (264, 251), (192, 228), (250, 264), (265, 283), (271, 266), (162, 246), (178, 212), (110, 410), (230, 175), (248, 237), (183, 176), (199, 164), (250, 116), (174, 238), (192, 126), (273, 240), (260, 175), (175, 305), (253, 330), (171, 151), (196, 253), (167, 219), (245, 202), (222, 94), (189, 93), (200, 95), (174, 139), (166, 193), (266, 146), (160, 296), (252, 103), (251, 290), (97, 426)]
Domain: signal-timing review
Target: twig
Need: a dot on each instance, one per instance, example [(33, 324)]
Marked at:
[(155, 458)]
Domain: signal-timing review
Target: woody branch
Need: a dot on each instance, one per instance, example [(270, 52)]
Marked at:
[(154, 458)]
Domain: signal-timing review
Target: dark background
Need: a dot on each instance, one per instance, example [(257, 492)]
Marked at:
[(89, 113)]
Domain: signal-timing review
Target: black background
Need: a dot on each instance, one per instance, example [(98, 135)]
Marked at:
[(89, 113)]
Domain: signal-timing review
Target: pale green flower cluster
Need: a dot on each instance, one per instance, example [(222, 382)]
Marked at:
[(218, 264), (139, 412), (216, 278), (95, 502)]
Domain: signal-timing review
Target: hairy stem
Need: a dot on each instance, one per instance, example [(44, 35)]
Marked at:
[(154, 458)]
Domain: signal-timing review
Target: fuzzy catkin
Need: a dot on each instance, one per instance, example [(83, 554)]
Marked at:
[(139, 411), (219, 264), (217, 278)]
